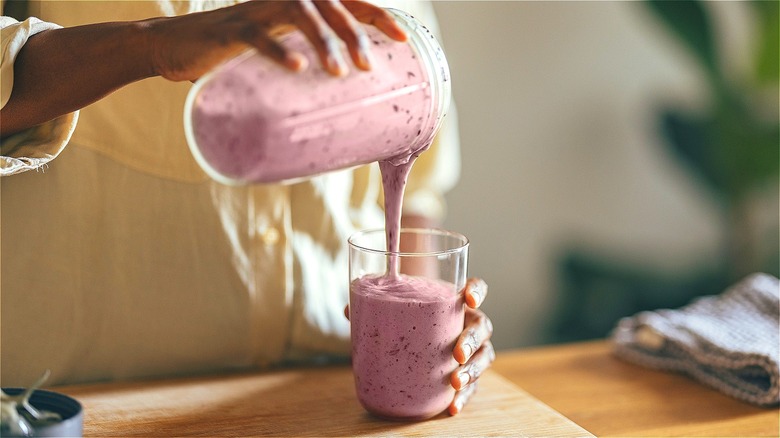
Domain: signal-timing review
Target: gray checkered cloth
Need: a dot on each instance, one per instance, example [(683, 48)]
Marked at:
[(730, 342)]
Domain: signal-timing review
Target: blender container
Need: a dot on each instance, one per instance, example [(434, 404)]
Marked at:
[(252, 121)]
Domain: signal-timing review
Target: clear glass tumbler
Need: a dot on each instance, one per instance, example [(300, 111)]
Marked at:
[(404, 324)]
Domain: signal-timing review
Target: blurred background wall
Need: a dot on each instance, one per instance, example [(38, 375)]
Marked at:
[(578, 207)]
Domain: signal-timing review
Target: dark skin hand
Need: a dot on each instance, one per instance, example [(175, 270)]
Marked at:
[(473, 350), (62, 70)]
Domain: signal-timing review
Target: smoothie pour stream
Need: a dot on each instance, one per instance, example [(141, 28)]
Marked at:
[(404, 328)]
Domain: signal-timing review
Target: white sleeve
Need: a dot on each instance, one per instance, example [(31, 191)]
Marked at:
[(34, 147)]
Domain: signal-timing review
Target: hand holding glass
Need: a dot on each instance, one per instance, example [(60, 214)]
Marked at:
[(404, 327)]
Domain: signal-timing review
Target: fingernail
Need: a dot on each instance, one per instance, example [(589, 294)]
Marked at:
[(334, 60), (365, 59), (464, 378), (466, 349), (458, 404), (475, 296), (477, 292), (364, 52), (296, 61), (336, 65)]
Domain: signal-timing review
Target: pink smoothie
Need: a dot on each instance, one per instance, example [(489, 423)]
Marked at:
[(394, 177), (241, 129), (404, 328), (403, 332)]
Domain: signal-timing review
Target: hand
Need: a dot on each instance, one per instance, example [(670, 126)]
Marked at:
[(187, 46), (102, 57), (473, 350)]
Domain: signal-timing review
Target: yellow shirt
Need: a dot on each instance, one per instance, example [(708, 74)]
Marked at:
[(121, 259)]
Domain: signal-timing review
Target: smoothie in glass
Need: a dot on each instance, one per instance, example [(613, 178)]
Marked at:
[(404, 330), (404, 327)]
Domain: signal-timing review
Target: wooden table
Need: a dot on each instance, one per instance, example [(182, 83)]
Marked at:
[(609, 397), (295, 403), (567, 390)]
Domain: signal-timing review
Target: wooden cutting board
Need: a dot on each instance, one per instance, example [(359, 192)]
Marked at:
[(298, 402)]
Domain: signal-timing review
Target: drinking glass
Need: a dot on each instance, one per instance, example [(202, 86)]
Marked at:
[(406, 313)]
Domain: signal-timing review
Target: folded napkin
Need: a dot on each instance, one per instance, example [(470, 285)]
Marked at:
[(730, 342)]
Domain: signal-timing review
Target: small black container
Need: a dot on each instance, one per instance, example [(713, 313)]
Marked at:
[(69, 409)]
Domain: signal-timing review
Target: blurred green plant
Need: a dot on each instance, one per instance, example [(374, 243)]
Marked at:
[(733, 146)]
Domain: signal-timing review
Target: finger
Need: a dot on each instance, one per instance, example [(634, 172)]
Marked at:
[(478, 329), (278, 53), (321, 37), (461, 398), (348, 29), (470, 372), (256, 33), (475, 292), (377, 17)]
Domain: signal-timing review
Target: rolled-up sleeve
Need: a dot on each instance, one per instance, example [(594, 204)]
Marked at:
[(34, 147)]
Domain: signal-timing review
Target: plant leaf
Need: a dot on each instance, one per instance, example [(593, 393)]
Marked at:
[(768, 53), (689, 21), (690, 140)]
